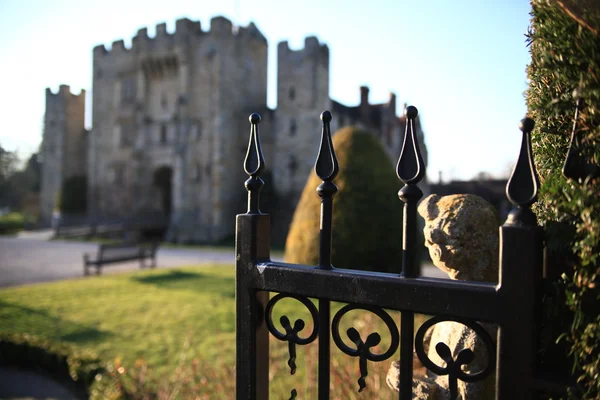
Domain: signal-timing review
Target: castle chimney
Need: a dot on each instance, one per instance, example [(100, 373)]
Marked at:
[(392, 101), (364, 103)]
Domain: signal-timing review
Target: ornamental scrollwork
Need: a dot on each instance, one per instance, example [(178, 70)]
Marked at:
[(362, 348), (454, 366), (291, 334)]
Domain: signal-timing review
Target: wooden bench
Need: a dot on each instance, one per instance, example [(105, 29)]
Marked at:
[(117, 253)]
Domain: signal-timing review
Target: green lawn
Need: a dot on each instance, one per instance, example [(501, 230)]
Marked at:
[(140, 315), (173, 320)]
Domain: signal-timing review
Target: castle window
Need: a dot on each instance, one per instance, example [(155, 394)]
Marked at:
[(292, 166), (293, 127), (49, 146), (197, 177), (292, 93), (163, 134), (127, 134), (128, 90), (119, 176), (195, 130)]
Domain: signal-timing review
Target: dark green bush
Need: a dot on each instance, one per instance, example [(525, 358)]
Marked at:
[(11, 223), (367, 214), (73, 197), (566, 63)]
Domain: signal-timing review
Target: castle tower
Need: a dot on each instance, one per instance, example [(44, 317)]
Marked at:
[(302, 94), (63, 145), (168, 136)]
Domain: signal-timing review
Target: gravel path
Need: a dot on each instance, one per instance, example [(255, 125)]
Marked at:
[(31, 258), (27, 260), (24, 385)]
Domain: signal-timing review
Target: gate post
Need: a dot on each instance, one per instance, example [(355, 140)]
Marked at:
[(519, 288), (252, 335), (252, 244)]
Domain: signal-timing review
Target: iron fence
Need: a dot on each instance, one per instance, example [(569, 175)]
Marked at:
[(513, 303)]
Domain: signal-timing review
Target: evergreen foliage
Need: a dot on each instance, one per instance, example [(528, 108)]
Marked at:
[(367, 214), (565, 64)]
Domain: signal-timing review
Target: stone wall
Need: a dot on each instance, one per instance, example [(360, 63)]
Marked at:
[(64, 145)]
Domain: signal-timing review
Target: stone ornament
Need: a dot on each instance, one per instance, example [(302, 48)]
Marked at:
[(461, 234)]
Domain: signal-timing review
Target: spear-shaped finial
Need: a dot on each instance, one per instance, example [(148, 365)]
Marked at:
[(522, 186), (254, 164), (326, 168), (410, 168)]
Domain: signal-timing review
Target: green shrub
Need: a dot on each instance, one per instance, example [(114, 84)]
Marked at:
[(14, 222), (566, 60), (73, 196), (367, 214)]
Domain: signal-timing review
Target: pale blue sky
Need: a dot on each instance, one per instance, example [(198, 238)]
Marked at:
[(461, 63)]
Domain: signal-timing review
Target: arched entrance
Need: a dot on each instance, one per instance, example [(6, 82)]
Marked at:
[(163, 181)]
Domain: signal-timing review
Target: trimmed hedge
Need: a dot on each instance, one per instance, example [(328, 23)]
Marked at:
[(565, 63), (11, 223), (367, 214)]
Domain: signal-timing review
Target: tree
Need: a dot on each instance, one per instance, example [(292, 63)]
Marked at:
[(367, 214), (8, 165)]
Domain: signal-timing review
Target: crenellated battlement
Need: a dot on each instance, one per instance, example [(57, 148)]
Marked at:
[(185, 32), (312, 48), (63, 91)]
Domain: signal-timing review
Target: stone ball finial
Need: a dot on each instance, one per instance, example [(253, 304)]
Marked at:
[(461, 233)]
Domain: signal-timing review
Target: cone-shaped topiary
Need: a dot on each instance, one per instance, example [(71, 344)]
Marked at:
[(367, 214)]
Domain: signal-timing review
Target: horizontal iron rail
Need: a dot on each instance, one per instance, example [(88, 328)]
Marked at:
[(480, 301)]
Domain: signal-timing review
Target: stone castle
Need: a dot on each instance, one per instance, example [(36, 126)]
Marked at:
[(170, 128)]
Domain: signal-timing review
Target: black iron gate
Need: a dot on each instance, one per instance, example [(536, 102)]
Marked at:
[(513, 304)]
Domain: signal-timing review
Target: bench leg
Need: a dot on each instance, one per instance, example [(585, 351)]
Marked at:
[(98, 269), (153, 262), (86, 270)]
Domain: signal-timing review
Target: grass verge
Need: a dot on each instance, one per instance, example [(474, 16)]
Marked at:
[(173, 332)]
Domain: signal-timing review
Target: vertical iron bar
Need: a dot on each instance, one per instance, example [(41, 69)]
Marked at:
[(251, 245), (324, 348), (326, 168), (410, 170)]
